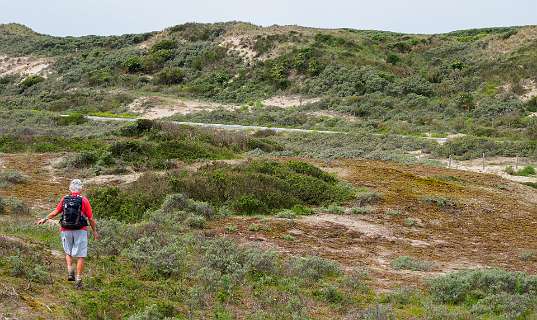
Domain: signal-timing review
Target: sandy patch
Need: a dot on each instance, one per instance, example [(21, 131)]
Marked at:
[(353, 223), (238, 44), (162, 107), (289, 101), (23, 66), (113, 179), (531, 90), (494, 165)]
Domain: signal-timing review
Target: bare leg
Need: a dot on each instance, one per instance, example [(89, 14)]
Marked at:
[(69, 262), (79, 267)]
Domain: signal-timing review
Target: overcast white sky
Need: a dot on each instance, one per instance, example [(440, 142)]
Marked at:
[(82, 17)]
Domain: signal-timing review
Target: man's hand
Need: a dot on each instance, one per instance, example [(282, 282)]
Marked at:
[(96, 236), (41, 221)]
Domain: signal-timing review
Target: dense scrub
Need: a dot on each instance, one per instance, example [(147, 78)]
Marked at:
[(392, 83), (257, 187)]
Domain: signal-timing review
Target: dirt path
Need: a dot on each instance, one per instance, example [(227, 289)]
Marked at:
[(495, 165)]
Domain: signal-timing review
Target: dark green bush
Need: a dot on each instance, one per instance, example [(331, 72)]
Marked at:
[(31, 81), (74, 118), (133, 64), (170, 76), (166, 44), (261, 186), (249, 205)]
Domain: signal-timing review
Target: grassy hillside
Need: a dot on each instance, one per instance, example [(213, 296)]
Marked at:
[(478, 82)]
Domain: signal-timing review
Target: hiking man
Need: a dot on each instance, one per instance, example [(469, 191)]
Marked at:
[(76, 213)]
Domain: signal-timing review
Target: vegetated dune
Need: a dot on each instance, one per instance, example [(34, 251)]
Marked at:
[(449, 217)]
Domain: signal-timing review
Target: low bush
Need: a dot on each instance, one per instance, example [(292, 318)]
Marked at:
[(471, 286), (260, 186), (164, 258), (29, 267), (366, 198), (409, 263), (440, 202), (170, 76), (329, 294), (74, 118), (362, 210), (10, 177), (313, 268), (525, 172), (31, 81), (409, 222), (196, 222), (335, 209)]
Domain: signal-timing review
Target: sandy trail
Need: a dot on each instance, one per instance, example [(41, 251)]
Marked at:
[(494, 165)]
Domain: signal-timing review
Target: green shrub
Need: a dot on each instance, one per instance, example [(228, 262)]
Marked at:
[(115, 237), (366, 198), (165, 259), (313, 268), (526, 171), (511, 306), (166, 44), (329, 294), (310, 170), (29, 268), (409, 263), (392, 58), (81, 160), (393, 212), (196, 222), (286, 214), (409, 222), (73, 118), (362, 210), (531, 184), (16, 206), (133, 64), (335, 209), (231, 228), (170, 76), (470, 286), (440, 202), (249, 205), (10, 177), (302, 210), (31, 81), (150, 312), (130, 204), (258, 187)]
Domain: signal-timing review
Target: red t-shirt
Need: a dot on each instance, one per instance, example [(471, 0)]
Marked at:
[(86, 209)]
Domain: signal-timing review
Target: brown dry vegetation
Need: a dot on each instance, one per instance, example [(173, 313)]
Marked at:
[(491, 221)]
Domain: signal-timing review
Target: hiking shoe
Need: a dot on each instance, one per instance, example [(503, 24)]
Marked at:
[(78, 284), (71, 276)]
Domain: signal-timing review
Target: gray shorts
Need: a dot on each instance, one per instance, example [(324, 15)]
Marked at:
[(75, 243)]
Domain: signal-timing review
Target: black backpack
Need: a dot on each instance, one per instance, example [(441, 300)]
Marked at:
[(72, 217)]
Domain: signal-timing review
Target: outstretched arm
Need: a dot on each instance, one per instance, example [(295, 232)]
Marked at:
[(48, 217)]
